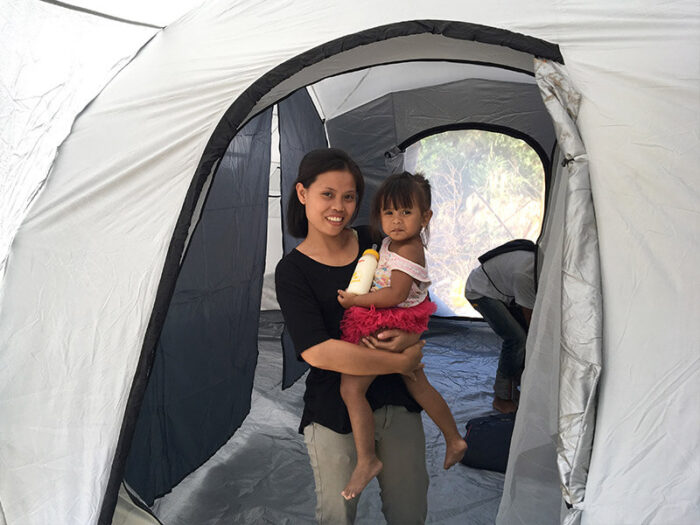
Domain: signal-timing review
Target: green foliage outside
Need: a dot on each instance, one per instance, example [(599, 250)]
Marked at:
[(488, 188)]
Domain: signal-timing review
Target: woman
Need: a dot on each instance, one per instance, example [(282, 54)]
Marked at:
[(328, 191)]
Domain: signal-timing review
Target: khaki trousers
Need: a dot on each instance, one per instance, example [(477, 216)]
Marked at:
[(400, 446)]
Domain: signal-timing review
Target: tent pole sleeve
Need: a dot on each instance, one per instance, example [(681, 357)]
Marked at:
[(581, 302)]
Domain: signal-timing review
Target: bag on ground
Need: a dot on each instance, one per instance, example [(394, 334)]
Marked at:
[(488, 442)]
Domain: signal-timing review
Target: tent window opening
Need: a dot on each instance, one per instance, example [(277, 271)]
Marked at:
[(487, 188)]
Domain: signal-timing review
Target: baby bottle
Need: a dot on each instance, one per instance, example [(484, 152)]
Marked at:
[(362, 278)]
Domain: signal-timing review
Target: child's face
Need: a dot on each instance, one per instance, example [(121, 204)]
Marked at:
[(404, 223)]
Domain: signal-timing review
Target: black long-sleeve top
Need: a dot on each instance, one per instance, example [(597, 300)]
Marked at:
[(307, 294)]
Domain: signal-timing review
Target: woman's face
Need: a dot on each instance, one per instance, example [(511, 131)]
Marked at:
[(329, 201)]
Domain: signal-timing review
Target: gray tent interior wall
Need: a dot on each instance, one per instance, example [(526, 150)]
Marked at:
[(301, 131), (511, 105), (375, 128), (366, 133), (200, 383)]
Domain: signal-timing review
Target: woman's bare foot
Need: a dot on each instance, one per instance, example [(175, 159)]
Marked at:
[(454, 452), (361, 476)]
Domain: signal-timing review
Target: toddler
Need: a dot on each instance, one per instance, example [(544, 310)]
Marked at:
[(398, 299)]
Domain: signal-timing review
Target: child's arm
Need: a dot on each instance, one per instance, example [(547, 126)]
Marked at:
[(391, 295), (382, 298)]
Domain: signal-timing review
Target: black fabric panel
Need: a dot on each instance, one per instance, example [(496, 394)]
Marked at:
[(199, 388), (366, 133), (301, 131)]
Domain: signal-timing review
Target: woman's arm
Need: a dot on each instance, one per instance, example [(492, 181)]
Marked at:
[(302, 313), (347, 358)]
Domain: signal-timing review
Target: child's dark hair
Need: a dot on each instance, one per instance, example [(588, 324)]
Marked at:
[(311, 166), (400, 190)]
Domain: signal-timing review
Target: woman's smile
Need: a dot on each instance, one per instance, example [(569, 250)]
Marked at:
[(329, 201), (336, 219)]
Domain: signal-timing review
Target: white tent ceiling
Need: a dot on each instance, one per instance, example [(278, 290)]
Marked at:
[(336, 95)]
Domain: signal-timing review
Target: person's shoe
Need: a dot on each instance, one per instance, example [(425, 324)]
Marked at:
[(504, 406)]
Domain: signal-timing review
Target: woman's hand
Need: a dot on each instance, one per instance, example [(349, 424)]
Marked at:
[(392, 340), (407, 343), (413, 355)]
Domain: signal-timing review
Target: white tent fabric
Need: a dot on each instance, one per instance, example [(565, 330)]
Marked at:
[(54, 63), (84, 267), (56, 60)]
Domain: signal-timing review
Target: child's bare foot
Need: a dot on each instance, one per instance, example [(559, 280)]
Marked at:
[(454, 452), (361, 476)]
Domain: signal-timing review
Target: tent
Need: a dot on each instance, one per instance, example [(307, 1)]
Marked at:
[(135, 189)]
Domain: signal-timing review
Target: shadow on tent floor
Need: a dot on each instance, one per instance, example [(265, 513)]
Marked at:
[(262, 475)]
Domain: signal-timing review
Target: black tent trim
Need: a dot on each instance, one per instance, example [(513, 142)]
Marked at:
[(93, 12), (215, 149)]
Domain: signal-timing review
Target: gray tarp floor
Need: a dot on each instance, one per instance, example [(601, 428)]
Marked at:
[(262, 475)]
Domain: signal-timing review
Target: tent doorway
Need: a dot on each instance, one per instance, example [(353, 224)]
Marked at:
[(357, 111), (370, 120)]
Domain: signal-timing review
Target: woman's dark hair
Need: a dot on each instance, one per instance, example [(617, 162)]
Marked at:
[(400, 190), (311, 166)]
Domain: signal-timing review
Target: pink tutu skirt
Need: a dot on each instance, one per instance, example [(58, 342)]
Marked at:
[(359, 322)]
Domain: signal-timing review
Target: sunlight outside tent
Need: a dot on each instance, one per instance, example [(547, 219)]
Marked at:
[(488, 188)]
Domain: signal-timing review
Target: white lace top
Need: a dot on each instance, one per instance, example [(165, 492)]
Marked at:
[(389, 261)]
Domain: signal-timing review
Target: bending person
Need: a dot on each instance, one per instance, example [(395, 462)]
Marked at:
[(502, 290), (328, 191)]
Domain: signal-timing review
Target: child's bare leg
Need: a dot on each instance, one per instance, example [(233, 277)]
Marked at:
[(353, 390), (436, 407)]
